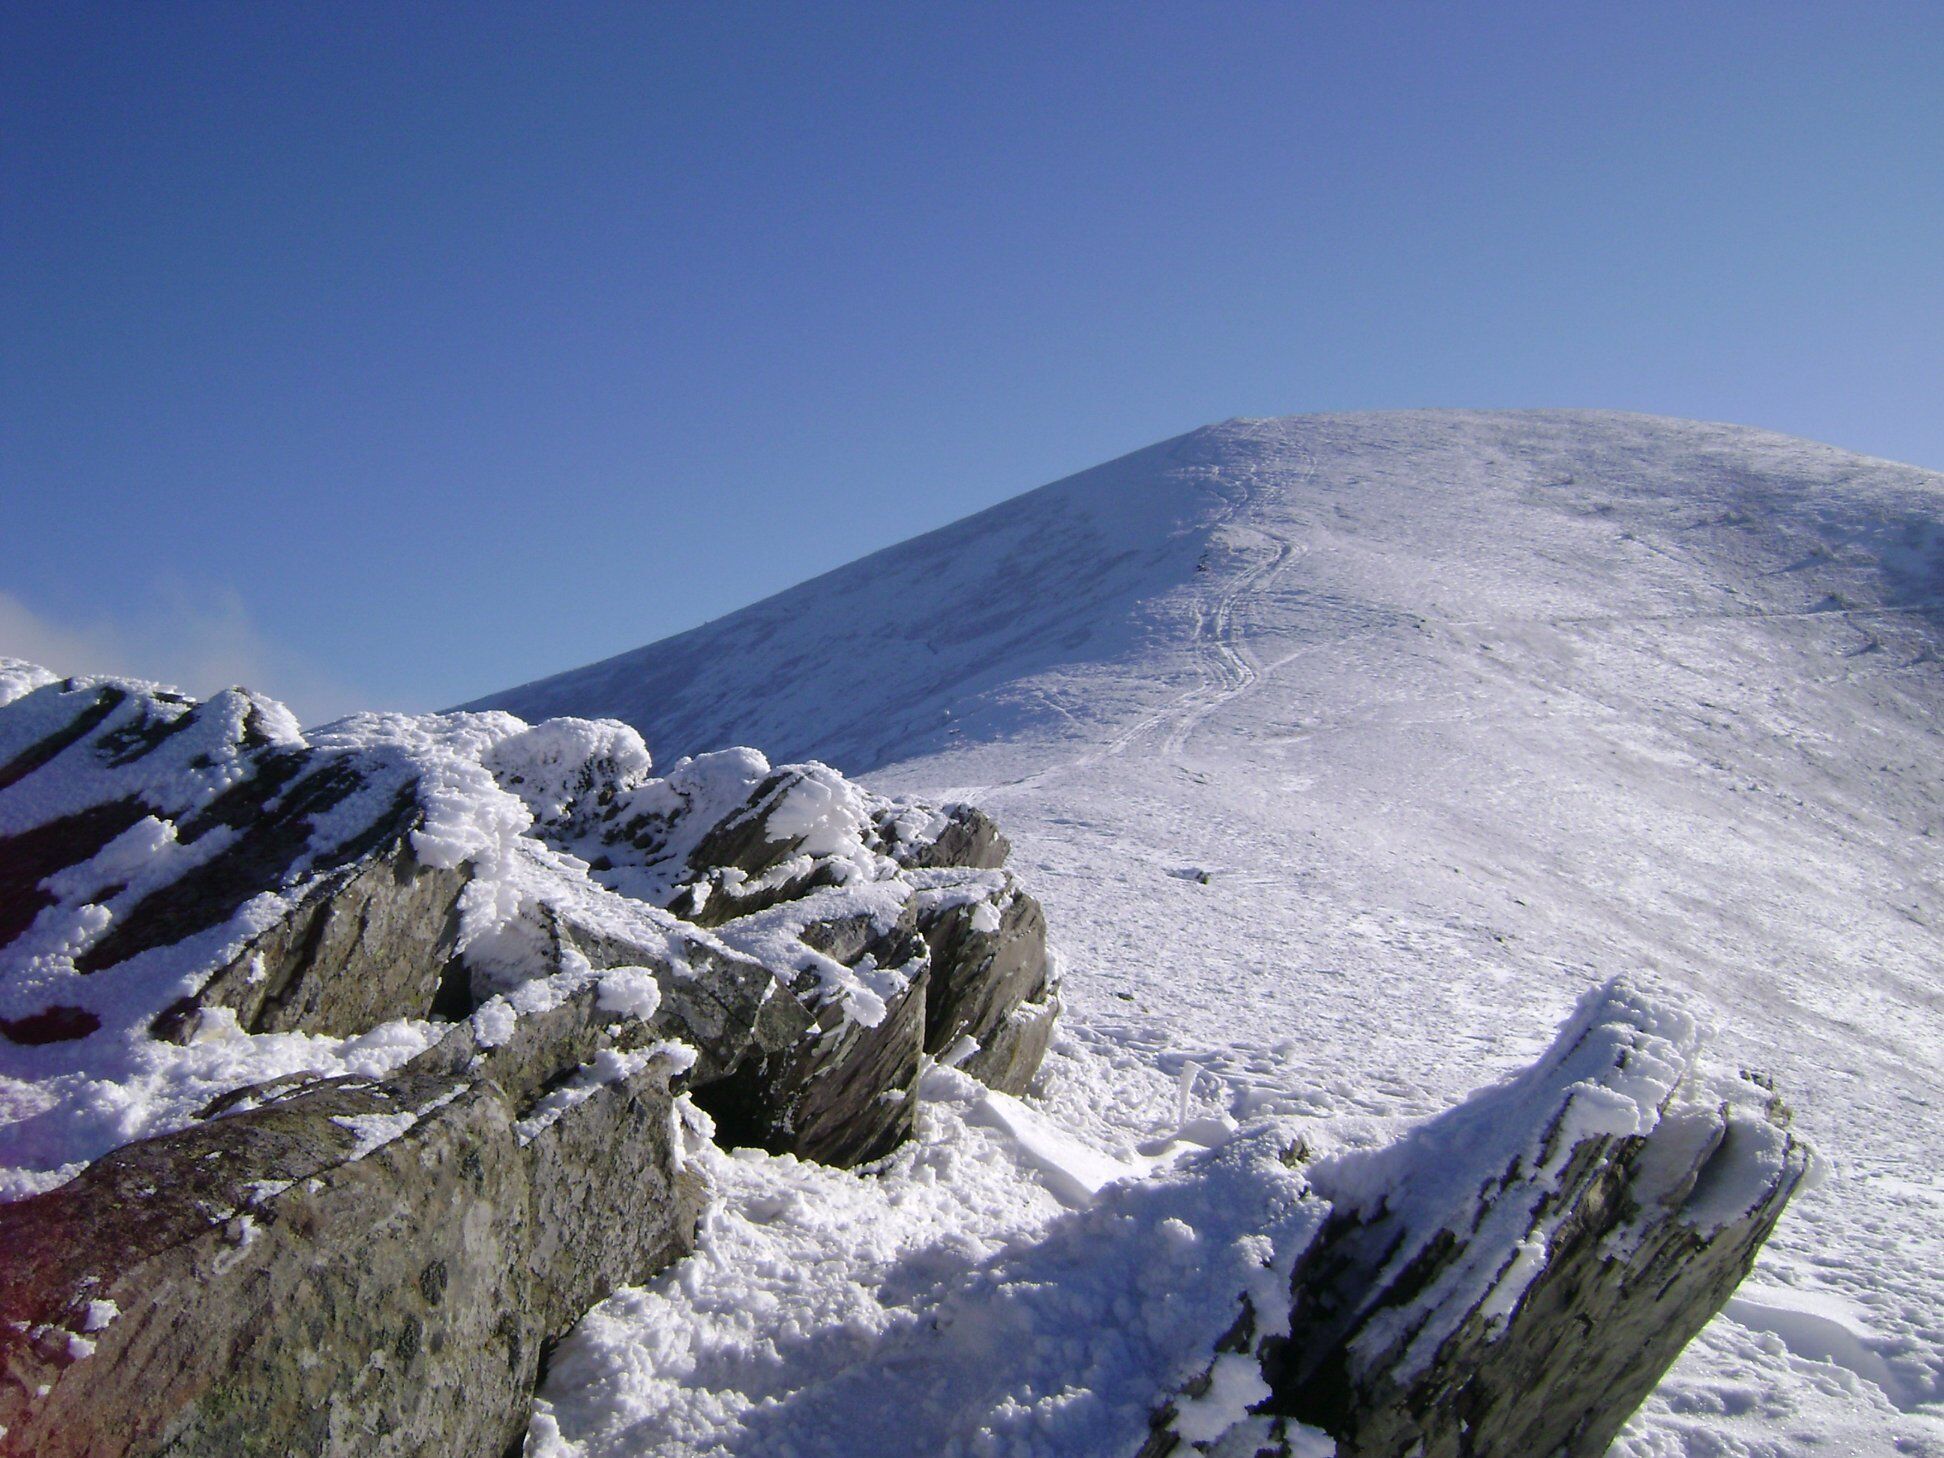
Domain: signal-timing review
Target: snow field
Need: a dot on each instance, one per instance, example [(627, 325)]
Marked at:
[(1347, 752)]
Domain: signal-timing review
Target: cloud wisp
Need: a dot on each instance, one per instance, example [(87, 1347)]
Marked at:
[(201, 643)]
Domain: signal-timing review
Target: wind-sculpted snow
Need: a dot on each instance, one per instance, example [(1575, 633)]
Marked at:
[(1345, 751)]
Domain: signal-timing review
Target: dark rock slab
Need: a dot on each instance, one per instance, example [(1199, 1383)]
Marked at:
[(284, 1283), (249, 810), (1013, 1047), (844, 1094), (968, 837), (779, 1066), (990, 983), (364, 944), (1515, 1276)]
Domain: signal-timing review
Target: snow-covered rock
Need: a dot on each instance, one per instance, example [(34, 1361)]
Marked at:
[(182, 875), (1344, 751), (1515, 1275), (351, 1066)]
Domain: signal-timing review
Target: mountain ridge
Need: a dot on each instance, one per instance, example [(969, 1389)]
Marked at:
[(1341, 747), (684, 702)]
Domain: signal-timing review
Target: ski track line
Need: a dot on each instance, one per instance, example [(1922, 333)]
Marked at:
[(1235, 670), (1235, 667)]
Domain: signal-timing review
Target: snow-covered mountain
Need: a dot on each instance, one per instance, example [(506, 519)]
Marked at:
[(1345, 753)]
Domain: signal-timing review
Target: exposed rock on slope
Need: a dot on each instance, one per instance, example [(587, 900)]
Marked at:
[(311, 1039), (354, 1066), (1514, 1276)]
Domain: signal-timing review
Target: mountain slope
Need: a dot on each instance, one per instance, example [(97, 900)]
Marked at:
[(1346, 750), (1438, 515)]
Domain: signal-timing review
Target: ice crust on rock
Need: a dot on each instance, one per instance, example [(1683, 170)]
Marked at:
[(1609, 1075)]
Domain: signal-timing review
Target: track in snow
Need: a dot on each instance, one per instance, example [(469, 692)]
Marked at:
[(1236, 668)]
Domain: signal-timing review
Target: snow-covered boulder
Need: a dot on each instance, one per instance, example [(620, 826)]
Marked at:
[(309, 1038), (892, 925), (176, 877), (1513, 1276), (350, 1266)]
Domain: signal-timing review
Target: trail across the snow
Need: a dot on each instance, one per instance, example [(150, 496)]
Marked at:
[(1225, 661), (1219, 636)]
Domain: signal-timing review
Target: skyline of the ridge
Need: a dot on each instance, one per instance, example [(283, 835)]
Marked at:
[(384, 360)]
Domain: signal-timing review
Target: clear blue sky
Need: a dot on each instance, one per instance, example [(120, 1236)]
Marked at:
[(391, 354)]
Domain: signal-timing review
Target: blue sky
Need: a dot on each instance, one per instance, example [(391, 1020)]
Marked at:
[(391, 354)]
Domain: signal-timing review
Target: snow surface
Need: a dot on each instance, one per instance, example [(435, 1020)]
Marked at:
[(891, 1313), (1346, 753)]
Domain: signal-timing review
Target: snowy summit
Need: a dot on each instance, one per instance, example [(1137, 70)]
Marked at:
[(1346, 751)]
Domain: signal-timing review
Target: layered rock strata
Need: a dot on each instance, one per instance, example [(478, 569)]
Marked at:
[(355, 1062), (1514, 1276)]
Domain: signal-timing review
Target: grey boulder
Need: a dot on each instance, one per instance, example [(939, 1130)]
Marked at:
[(348, 1267), (1514, 1276)]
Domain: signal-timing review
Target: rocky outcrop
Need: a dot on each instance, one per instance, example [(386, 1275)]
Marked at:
[(989, 989), (348, 1068), (349, 1266), (362, 1056), (903, 911), (1514, 1276), (182, 870)]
